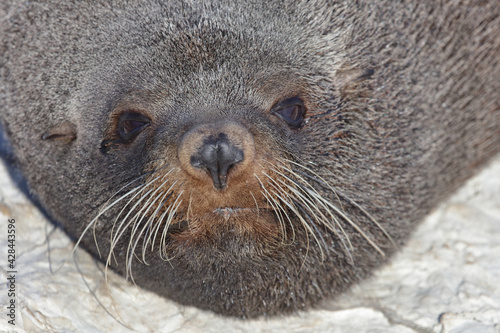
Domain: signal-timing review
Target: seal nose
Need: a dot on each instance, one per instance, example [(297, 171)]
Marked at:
[(217, 156)]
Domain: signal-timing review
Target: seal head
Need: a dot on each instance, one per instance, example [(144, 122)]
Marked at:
[(247, 158)]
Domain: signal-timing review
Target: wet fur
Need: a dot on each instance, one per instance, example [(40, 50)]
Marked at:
[(403, 106)]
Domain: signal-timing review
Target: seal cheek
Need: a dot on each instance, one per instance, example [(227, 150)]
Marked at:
[(217, 152)]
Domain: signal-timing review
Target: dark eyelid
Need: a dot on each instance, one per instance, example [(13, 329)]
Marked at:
[(290, 103), (135, 116), (131, 116), (135, 124), (287, 103)]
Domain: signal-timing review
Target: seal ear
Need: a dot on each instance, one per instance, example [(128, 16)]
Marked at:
[(64, 132), (348, 78)]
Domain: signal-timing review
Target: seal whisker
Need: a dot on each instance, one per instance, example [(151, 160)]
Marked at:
[(114, 239), (102, 211), (123, 227), (147, 205), (142, 213), (306, 227), (301, 219), (256, 204), (162, 219), (142, 188), (299, 206), (137, 221), (138, 218), (112, 233), (168, 193), (164, 199), (298, 172), (283, 209), (150, 223), (147, 237), (312, 192), (277, 187), (369, 216), (278, 210), (311, 202), (163, 244), (188, 210), (318, 199), (287, 217), (143, 195), (321, 181)]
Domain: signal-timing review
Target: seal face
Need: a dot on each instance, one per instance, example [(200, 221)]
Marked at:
[(247, 158)]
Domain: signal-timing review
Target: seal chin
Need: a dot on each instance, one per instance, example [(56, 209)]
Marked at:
[(260, 225)]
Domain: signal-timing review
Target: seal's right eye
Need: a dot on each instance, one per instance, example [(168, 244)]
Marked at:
[(131, 124)]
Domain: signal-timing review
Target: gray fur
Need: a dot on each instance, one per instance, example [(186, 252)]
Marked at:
[(396, 142)]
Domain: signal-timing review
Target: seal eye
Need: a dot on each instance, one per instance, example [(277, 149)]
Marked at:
[(292, 111), (131, 124)]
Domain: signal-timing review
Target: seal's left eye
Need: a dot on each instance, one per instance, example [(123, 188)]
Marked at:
[(131, 124), (292, 111)]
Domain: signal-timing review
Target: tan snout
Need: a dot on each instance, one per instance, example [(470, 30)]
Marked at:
[(217, 153)]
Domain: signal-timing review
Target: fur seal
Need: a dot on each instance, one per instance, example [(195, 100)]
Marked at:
[(248, 158)]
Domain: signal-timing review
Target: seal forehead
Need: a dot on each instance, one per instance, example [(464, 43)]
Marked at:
[(182, 51)]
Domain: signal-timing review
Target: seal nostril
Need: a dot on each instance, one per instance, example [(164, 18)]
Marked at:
[(217, 156)]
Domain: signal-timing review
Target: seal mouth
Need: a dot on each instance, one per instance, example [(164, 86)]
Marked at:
[(228, 212), (225, 212), (246, 222)]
